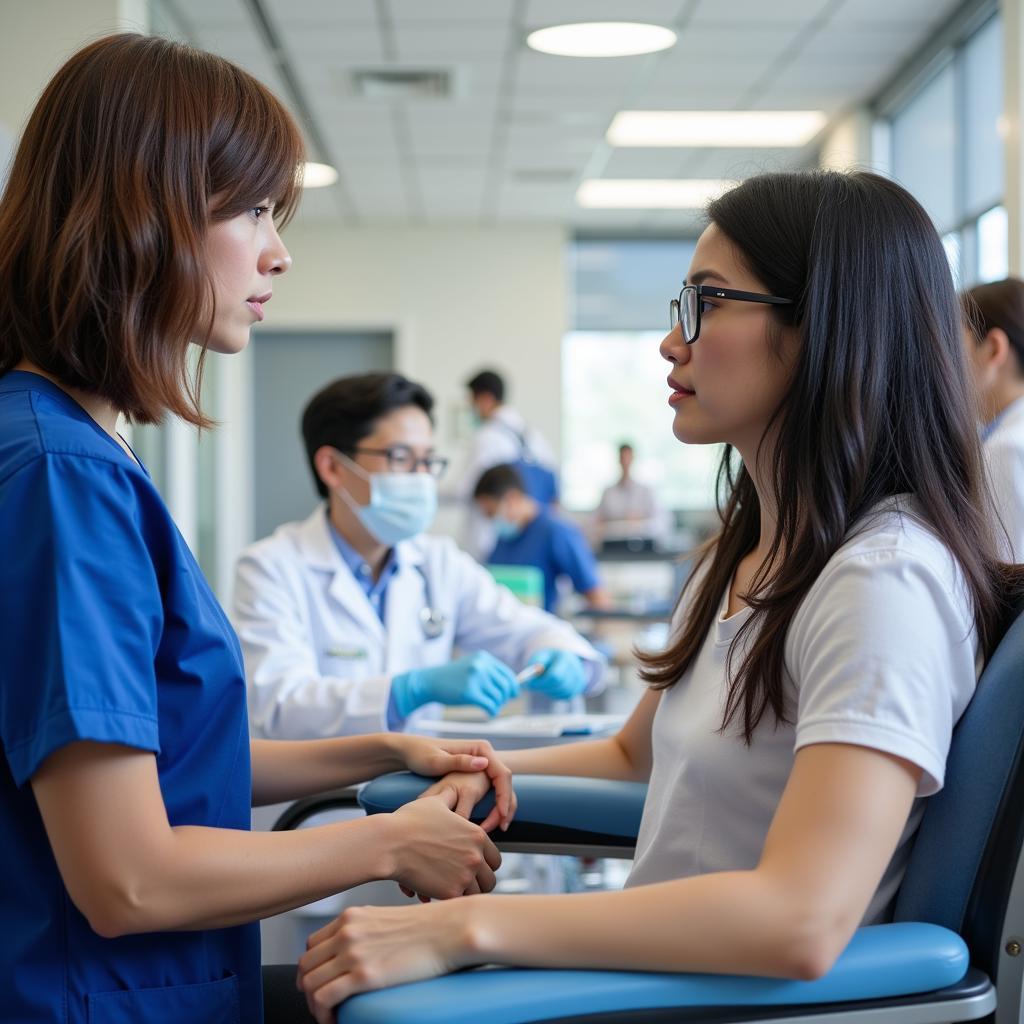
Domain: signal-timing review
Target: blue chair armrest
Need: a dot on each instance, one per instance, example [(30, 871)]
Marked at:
[(881, 961), (596, 807)]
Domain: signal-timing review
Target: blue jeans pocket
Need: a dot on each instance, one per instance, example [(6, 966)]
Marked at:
[(213, 1001)]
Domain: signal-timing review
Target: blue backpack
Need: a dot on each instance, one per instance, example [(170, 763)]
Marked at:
[(539, 481)]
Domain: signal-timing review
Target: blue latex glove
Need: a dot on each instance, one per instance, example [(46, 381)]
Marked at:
[(479, 679), (564, 675)]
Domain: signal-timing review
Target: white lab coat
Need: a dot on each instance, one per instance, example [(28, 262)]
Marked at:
[(318, 660), (1004, 455)]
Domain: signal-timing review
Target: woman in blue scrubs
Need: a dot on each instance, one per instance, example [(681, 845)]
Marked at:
[(139, 219)]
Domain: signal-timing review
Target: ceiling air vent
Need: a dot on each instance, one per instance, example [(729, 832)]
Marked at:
[(402, 84)]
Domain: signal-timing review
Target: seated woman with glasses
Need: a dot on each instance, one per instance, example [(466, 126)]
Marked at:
[(348, 619), (824, 647)]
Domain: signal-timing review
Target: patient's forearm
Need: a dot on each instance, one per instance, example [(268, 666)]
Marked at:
[(598, 759), (732, 922)]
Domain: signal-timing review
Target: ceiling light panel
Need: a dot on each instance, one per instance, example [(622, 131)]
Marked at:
[(601, 39), (687, 128), (649, 193)]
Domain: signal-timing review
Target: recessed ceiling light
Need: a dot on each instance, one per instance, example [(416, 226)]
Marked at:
[(601, 39), (715, 127), (318, 175), (650, 193)]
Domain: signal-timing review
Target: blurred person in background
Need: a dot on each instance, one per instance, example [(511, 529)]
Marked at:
[(994, 338), (502, 437), (628, 511), (530, 533)]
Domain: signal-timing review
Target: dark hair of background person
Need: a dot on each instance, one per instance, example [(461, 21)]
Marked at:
[(487, 382), (879, 405), (625, 447), (135, 146), (998, 304), (498, 481), (343, 413)]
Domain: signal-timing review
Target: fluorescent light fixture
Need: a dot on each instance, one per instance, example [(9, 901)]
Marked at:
[(601, 39), (650, 193), (715, 127), (318, 175)]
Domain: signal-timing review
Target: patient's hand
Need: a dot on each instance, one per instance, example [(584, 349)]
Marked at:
[(367, 948), (469, 768), (470, 788)]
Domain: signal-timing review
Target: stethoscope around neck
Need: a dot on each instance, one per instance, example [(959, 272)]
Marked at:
[(433, 621)]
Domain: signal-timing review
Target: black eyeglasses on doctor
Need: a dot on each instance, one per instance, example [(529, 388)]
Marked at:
[(686, 309), (402, 460)]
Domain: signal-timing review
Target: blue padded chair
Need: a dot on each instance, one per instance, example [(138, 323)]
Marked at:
[(953, 952)]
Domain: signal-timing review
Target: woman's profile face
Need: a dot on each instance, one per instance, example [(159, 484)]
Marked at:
[(243, 254), (728, 383)]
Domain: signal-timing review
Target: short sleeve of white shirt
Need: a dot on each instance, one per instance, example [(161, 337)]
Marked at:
[(883, 649)]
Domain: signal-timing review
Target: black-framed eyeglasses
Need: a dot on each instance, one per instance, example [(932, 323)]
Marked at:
[(402, 460), (686, 309)]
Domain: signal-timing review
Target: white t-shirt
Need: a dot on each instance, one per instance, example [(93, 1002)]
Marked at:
[(1004, 454), (882, 653)]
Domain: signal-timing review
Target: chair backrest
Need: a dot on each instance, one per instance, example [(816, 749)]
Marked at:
[(969, 843)]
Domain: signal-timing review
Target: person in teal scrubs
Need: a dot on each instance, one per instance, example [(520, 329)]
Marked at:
[(140, 219)]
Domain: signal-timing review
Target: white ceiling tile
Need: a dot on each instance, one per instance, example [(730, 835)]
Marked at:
[(482, 40), (852, 44), (555, 12), (752, 15), (460, 11), (723, 45), (922, 13), (542, 72), (320, 12), (348, 44), (213, 12)]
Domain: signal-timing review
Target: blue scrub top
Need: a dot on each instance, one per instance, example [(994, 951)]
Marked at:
[(109, 633), (555, 547)]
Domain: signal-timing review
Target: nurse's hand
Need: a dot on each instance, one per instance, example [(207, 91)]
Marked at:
[(367, 948), (479, 679), (436, 854), (471, 768), (563, 677)]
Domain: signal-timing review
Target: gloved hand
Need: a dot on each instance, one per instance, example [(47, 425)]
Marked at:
[(564, 675), (479, 679)]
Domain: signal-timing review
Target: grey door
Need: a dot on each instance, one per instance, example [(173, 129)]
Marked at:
[(288, 368)]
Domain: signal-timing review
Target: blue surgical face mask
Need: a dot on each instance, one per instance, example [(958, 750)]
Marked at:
[(505, 529), (402, 505)]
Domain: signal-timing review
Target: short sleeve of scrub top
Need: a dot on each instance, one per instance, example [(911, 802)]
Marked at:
[(108, 633), (87, 629)]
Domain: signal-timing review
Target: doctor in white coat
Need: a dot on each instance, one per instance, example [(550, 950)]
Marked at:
[(348, 620)]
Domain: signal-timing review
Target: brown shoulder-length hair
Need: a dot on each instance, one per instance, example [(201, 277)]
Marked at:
[(878, 406), (135, 145)]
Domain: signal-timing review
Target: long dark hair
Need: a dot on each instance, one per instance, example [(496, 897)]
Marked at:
[(878, 406), (135, 145)]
